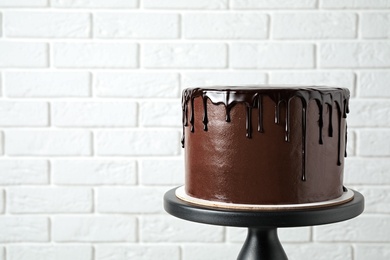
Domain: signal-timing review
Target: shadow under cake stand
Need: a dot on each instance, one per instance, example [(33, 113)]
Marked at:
[(262, 242)]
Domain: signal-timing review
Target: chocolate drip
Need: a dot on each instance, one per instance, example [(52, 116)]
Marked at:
[(248, 122), (330, 129), (192, 120), (339, 138), (227, 114), (184, 117), (205, 118), (260, 127), (277, 113), (304, 154), (320, 121), (252, 98), (287, 126), (346, 135)]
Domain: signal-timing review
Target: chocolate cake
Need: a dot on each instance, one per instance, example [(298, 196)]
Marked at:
[(264, 144)]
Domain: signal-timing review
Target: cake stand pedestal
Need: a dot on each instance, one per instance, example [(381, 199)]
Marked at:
[(262, 242)]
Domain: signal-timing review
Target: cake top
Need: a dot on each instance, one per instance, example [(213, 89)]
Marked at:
[(231, 94), (265, 87)]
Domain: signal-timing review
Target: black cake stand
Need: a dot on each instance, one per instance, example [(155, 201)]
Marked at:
[(262, 242)]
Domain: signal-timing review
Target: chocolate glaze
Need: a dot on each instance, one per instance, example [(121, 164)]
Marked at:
[(286, 110)]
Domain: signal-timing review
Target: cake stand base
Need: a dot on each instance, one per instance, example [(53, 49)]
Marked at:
[(262, 242)]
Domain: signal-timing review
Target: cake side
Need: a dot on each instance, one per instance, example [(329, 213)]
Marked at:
[(264, 145)]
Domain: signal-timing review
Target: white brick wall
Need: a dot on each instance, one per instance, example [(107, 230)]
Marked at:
[(300, 26), (24, 229), (49, 200), (131, 25), (90, 118), (94, 55), (184, 55), (94, 172), (23, 172), (47, 84), (94, 114), (134, 251), (23, 54), (271, 55), (94, 229), (225, 26), (62, 252), (48, 142), (46, 25)]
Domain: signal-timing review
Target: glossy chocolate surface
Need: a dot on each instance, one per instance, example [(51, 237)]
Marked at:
[(264, 144)]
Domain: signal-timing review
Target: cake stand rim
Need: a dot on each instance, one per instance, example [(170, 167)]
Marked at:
[(182, 195), (242, 218)]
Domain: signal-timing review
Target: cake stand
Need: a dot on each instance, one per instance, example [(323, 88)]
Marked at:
[(262, 242)]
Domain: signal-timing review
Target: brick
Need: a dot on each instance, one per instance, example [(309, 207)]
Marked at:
[(47, 84), (274, 4), (355, 4), (271, 55), (361, 229), (144, 252), (210, 252), (49, 252), (369, 113), (48, 142), (161, 172), (370, 251), (130, 200), (24, 229), (15, 113), (367, 171), (95, 55), (186, 4), (2, 203), (94, 4), (49, 200), (170, 229), (137, 142), (319, 251), (94, 172), (184, 55), (137, 85), (136, 25), (354, 55), (301, 234), (374, 84), (314, 25), (310, 78), (373, 143), (200, 79), (94, 114), (160, 113), (47, 25), (23, 55), (225, 26), (376, 199), (23, 3), (21, 172), (94, 229), (375, 25)]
